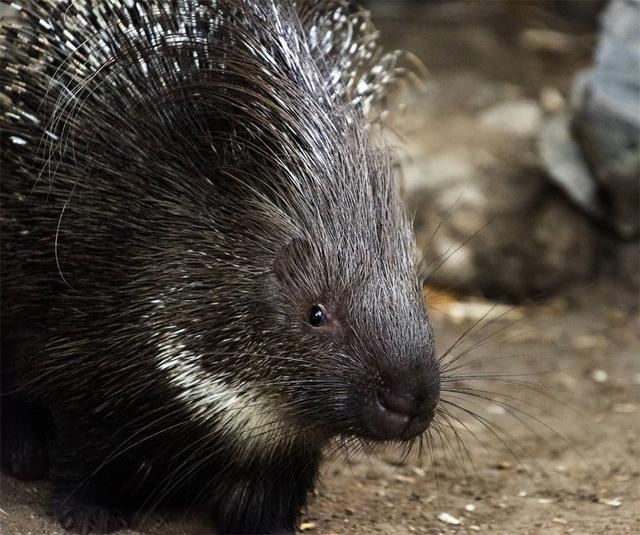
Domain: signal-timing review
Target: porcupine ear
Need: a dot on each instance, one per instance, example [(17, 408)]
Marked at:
[(345, 45)]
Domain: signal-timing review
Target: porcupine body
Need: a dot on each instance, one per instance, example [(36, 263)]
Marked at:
[(207, 274)]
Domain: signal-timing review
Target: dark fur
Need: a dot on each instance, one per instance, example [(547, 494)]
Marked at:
[(188, 216)]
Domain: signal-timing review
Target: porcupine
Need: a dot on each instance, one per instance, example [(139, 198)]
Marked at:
[(207, 272)]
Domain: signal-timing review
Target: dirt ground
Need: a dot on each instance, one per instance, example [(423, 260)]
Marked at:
[(548, 440)]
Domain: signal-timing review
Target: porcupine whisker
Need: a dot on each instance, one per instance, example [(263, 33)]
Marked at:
[(454, 453), (512, 379), (465, 453), (441, 452), (488, 340), (474, 362), (467, 332), (474, 327), (516, 379), (450, 419), (511, 409), (431, 449), (423, 264), (537, 388), (497, 431), (515, 411), (447, 255)]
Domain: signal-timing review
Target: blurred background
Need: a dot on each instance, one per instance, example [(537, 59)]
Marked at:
[(520, 154)]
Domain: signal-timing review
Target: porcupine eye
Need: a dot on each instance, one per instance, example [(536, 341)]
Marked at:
[(317, 316)]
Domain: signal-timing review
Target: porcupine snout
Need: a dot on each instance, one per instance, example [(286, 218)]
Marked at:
[(404, 401), (398, 388)]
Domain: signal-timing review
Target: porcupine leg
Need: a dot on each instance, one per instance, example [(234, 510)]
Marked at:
[(265, 499), (80, 514), (24, 443), (82, 499)]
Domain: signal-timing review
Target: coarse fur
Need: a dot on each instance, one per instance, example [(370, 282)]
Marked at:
[(182, 182)]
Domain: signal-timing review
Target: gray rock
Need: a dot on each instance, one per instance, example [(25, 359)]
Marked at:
[(606, 116), (563, 159)]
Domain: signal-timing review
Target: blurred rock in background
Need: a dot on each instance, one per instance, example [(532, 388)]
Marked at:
[(492, 132), (604, 126)]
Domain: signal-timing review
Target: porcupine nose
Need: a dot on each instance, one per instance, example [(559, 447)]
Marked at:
[(396, 402), (403, 413)]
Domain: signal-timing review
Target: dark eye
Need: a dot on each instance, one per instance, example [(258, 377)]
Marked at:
[(317, 315)]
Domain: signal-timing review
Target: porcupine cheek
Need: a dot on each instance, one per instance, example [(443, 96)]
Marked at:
[(250, 422)]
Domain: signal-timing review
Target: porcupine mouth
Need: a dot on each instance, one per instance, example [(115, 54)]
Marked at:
[(389, 422)]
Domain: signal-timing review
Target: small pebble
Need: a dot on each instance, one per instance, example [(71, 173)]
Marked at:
[(449, 519), (588, 341), (558, 520), (599, 376), (522, 493), (552, 100), (496, 409), (545, 501), (613, 502), (626, 408), (617, 317), (307, 526), (473, 527), (470, 507), (565, 380)]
